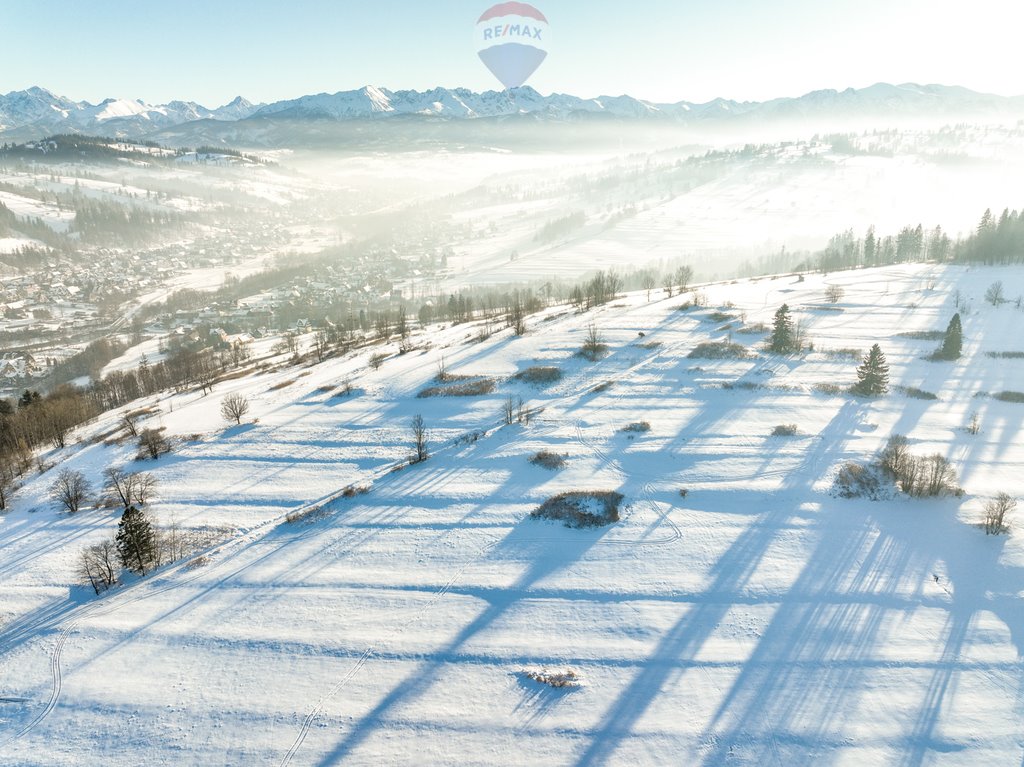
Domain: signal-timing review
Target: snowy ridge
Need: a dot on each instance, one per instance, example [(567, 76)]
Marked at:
[(40, 110)]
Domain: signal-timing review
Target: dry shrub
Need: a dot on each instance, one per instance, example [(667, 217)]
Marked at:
[(581, 509), (833, 390), (785, 430), (311, 514), (475, 388), (557, 679), (856, 480), (539, 375), (548, 460), (639, 427), (1009, 396), (914, 393), (718, 350)]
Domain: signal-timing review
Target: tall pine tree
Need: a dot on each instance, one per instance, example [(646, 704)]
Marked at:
[(783, 339), (953, 341), (873, 374), (136, 541)]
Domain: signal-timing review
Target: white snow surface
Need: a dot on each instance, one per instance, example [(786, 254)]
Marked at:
[(758, 620)]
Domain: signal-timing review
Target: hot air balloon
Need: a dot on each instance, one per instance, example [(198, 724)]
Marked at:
[(512, 41)]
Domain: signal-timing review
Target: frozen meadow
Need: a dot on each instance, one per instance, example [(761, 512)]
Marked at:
[(758, 619)]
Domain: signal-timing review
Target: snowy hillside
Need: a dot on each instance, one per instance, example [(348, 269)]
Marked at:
[(754, 619)]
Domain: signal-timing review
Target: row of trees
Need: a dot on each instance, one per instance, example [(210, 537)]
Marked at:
[(995, 240)]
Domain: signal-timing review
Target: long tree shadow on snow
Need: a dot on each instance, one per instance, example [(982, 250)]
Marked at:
[(731, 574), (545, 560)]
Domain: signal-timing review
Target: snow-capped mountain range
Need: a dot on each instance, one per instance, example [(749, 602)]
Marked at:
[(39, 111)]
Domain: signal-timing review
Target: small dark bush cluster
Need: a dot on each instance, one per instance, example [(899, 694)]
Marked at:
[(602, 387), (548, 460), (558, 679), (581, 509), (914, 393), (846, 353), (718, 350), (923, 335), (353, 490), (640, 427), (1006, 355), (311, 514), (753, 329), (833, 390), (469, 438), (855, 480), (744, 385), (474, 388), (1009, 396), (719, 317), (785, 430), (539, 375)]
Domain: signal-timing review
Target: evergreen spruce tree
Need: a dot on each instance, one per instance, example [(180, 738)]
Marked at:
[(136, 541), (783, 338), (953, 342), (873, 374)]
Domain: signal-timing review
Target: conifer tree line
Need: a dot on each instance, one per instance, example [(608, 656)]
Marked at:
[(995, 240)]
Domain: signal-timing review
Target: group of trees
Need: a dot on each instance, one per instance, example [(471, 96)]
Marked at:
[(598, 290), (72, 491), (37, 420), (995, 240), (918, 476), (137, 546)]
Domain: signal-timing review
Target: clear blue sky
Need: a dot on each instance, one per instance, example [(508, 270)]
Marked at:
[(665, 50)]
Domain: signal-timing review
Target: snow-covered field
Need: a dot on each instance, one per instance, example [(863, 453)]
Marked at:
[(757, 620)]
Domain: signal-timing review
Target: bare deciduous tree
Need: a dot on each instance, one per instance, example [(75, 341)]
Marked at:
[(234, 407), (648, 282), (130, 423), (508, 409), (153, 443), (996, 511), (834, 294), (98, 565), (419, 439), (995, 295), (6, 483), (71, 490), (593, 345), (321, 345), (684, 274), (130, 489)]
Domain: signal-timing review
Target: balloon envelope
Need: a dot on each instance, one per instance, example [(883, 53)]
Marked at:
[(512, 41)]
